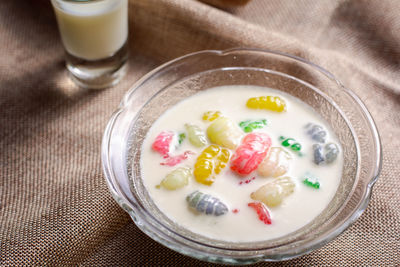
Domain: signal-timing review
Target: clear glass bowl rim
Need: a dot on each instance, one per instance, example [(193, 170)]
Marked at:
[(127, 206)]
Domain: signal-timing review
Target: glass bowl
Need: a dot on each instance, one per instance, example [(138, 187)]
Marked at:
[(178, 79)]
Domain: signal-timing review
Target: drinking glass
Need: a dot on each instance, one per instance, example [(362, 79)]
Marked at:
[(94, 34)]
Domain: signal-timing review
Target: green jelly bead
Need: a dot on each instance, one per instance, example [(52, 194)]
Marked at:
[(248, 129), (248, 126), (243, 123), (295, 147), (182, 137), (288, 142), (315, 185)]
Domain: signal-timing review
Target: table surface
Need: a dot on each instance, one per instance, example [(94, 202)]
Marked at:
[(55, 208)]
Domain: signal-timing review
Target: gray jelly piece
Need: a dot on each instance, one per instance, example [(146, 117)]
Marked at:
[(318, 155), (332, 151), (206, 203), (316, 132)]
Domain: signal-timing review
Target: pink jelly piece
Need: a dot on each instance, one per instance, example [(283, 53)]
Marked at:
[(174, 160), (262, 212), (163, 142), (250, 153)]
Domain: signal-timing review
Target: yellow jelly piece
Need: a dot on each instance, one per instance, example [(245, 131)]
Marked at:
[(224, 132), (211, 115), (273, 193), (210, 162), (274, 103)]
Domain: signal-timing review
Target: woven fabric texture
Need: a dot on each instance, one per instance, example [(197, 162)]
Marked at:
[(55, 208)]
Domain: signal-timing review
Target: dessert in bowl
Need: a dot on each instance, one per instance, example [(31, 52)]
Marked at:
[(188, 155)]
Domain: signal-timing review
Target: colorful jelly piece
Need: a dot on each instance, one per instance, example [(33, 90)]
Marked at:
[(262, 212), (235, 211), (316, 132), (311, 181), (206, 203), (273, 103), (249, 125), (250, 153), (332, 151), (163, 141), (210, 163), (273, 193), (196, 135), (326, 154), (224, 132), (275, 164), (290, 143), (181, 137), (175, 160), (176, 179), (211, 115), (318, 154)]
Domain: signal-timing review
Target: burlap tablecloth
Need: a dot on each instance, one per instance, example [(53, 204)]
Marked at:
[(55, 208)]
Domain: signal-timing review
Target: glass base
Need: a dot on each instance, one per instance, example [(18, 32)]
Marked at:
[(98, 74)]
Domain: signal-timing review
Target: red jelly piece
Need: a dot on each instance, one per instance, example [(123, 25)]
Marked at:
[(163, 142), (235, 211), (262, 211), (172, 161), (250, 153), (247, 181)]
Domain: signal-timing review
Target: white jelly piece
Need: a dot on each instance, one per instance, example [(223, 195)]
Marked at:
[(273, 193), (276, 163), (176, 179)]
